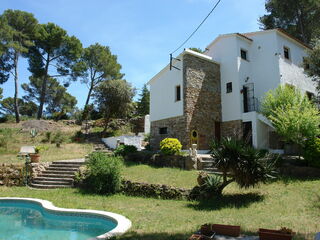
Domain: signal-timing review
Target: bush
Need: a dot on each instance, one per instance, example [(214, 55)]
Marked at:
[(47, 137), (78, 137), (58, 139), (170, 146), (124, 150), (311, 152), (103, 174)]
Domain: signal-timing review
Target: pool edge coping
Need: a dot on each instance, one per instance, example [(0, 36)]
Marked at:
[(123, 223)]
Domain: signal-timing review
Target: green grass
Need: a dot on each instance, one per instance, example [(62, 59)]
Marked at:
[(170, 176), (290, 203)]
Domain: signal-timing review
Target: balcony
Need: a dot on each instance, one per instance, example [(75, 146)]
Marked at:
[(251, 104)]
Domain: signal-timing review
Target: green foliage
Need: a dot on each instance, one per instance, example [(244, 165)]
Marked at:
[(40, 148), (293, 116), (104, 173), (97, 64), (311, 152), (48, 137), (78, 136), (298, 18), (26, 108), (58, 139), (199, 50), (33, 133), (212, 186), (124, 150), (113, 98), (143, 105), (313, 62), (6, 135), (170, 146), (54, 51), (241, 163)]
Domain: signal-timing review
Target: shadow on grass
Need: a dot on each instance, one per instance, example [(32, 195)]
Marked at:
[(154, 236), (291, 179), (227, 201)]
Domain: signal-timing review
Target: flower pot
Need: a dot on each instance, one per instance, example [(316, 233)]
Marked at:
[(229, 230), (206, 229), (268, 234), (35, 158)]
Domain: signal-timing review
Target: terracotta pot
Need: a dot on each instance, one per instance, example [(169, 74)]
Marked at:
[(206, 229), (229, 230), (35, 158), (268, 234)]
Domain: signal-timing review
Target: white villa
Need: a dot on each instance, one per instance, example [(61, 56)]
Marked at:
[(217, 93)]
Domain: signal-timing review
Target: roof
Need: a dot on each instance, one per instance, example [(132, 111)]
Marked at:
[(246, 36), (186, 51)]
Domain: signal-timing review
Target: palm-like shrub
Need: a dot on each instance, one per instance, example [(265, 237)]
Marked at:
[(241, 163)]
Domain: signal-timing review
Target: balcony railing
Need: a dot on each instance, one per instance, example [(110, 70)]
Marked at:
[(251, 105)]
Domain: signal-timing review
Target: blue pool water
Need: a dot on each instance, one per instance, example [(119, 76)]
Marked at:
[(23, 220)]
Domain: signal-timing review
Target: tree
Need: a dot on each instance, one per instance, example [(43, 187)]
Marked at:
[(1, 91), (143, 107), (98, 64), (26, 108), (291, 113), (19, 28), (312, 62), (299, 18), (54, 51), (113, 98), (58, 101)]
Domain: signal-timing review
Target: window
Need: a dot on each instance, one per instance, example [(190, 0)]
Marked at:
[(229, 87), (306, 65), (310, 95), (178, 93), (244, 54), (286, 53), (163, 130)]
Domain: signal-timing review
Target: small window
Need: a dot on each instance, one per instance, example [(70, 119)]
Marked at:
[(244, 54), (178, 93), (229, 87), (286, 52), (163, 130), (306, 65), (310, 96)]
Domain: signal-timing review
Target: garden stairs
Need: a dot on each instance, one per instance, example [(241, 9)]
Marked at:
[(206, 164), (59, 174)]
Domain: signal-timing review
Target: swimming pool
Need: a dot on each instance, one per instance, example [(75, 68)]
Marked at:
[(30, 219)]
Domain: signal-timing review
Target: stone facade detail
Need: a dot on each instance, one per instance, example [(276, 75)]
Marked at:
[(201, 106), (232, 129)]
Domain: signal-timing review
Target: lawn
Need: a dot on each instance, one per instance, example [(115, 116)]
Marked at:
[(12, 138), (289, 203)]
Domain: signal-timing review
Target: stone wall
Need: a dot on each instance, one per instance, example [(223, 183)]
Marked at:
[(202, 98), (14, 174), (232, 129), (202, 105), (153, 190)]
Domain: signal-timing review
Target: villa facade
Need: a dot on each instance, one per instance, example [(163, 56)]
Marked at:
[(218, 93)]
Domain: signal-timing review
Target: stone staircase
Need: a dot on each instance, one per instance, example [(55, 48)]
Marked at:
[(206, 164), (59, 174)]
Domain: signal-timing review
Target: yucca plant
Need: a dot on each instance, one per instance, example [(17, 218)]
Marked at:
[(241, 163)]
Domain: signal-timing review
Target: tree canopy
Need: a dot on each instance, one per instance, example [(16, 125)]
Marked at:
[(143, 105), (299, 18), (26, 108), (54, 51), (294, 117)]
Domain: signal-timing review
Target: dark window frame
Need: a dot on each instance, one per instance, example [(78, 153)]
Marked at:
[(286, 53), (229, 87), (178, 93), (244, 54), (163, 130)]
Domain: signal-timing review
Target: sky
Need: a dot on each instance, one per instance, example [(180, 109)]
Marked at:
[(142, 33)]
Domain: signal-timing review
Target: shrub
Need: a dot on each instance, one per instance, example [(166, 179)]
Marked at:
[(170, 146), (58, 139), (311, 152), (4, 142), (124, 150), (47, 137), (212, 186), (78, 137), (103, 174)]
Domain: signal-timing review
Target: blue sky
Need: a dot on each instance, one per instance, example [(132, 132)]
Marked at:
[(141, 33)]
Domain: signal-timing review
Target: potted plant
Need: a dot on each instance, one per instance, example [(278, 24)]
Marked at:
[(229, 230), (282, 234), (35, 157)]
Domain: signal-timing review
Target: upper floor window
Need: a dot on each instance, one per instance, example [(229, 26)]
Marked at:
[(244, 54), (229, 87), (310, 95), (286, 53), (305, 63), (178, 93)]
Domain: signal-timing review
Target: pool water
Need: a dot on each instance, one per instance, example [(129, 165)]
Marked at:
[(23, 220)]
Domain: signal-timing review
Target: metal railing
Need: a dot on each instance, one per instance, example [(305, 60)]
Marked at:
[(251, 105)]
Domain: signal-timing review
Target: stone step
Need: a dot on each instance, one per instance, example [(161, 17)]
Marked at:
[(59, 171), (65, 166), (51, 186), (45, 182), (59, 168), (52, 175), (210, 169), (51, 179), (80, 162)]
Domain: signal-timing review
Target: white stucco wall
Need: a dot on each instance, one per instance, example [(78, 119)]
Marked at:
[(162, 93), (147, 124), (111, 142)]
